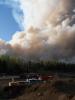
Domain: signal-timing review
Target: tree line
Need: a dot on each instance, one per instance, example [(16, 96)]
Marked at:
[(14, 65)]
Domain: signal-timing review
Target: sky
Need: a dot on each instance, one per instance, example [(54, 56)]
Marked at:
[(38, 29), (8, 25)]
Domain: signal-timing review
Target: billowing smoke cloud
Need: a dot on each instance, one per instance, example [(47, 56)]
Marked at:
[(48, 30)]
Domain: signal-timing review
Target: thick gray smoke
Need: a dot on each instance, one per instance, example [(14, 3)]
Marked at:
[(49, 30)]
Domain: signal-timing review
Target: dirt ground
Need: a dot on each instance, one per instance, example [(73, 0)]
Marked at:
[(56, 89)]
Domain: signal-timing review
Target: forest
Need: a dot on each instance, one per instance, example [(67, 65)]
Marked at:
[(15, 66)]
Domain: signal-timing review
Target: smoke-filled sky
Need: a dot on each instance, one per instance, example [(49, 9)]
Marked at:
[(44, 29)]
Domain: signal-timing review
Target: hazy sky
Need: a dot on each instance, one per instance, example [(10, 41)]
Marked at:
[(40, 29), (8, 25)]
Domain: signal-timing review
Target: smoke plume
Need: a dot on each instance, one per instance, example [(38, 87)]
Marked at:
[(48, 30)]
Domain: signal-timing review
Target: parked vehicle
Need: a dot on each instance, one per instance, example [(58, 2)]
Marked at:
[(34, 81)]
